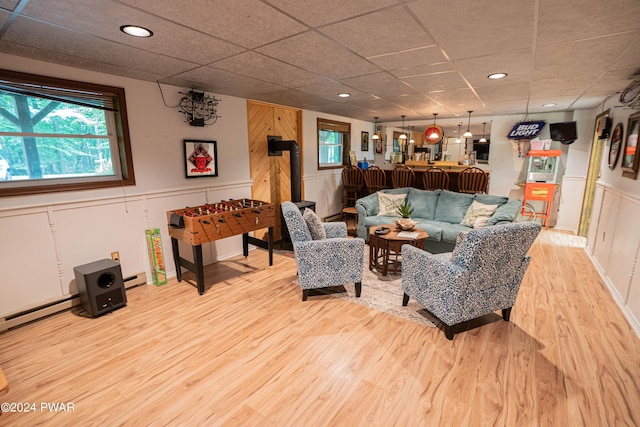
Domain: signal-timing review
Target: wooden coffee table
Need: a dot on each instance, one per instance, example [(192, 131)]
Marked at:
[(383, 246)]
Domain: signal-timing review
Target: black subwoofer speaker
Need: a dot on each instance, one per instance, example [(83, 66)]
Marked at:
[(100, 286)]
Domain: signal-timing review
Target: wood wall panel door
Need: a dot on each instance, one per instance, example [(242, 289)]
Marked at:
[(271, 175)]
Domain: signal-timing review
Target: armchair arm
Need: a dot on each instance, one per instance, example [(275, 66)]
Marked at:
[(431, 280), (329, 262)]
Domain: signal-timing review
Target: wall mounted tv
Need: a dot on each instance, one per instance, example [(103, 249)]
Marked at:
[(565, 132)]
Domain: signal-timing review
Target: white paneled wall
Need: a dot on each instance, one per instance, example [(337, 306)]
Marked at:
[(614, 246)]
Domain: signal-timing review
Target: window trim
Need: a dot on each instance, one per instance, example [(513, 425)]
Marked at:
[(342, 127), (125, 157)]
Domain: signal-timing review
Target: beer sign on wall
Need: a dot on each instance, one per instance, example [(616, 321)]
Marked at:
[(526, 130)]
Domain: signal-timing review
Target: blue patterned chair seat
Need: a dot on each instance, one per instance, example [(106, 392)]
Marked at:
[(482, 274), (336, 260)]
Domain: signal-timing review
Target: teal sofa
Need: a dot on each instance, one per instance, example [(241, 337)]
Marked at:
[(437, 212)]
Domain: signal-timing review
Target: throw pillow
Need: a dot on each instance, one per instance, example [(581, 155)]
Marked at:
[(388, 203), (315, 225), (478, 214)]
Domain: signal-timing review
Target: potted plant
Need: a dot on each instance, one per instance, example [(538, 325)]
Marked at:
[(405, 210)]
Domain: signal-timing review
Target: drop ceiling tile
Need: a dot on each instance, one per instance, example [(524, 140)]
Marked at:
[(569, 20), (4, 15), (168, 38), (46, 37), (437, 82), (324, 12), (503, 91), (329, 89), (477, 28), (313, 52), (409, 58), (516, 64), (387, 31), (293, 98), (379, 84), (570, 86), (9, 4), (13, 48), (421, 70), (226, 83), (248, 23), (588, 56), (262, 67)]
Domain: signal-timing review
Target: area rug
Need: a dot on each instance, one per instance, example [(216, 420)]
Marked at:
[(382, 293)]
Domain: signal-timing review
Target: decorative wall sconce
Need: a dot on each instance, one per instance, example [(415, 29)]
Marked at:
[(199, 108)]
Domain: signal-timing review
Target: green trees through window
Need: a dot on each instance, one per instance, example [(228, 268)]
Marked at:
[(61, 135)]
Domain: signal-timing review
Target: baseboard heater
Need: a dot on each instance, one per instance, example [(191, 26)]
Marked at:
[(21, 318)]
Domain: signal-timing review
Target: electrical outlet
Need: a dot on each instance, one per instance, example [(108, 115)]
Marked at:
[(115, 256)]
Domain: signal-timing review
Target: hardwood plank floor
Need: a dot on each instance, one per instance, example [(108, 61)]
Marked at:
[(249, 352)]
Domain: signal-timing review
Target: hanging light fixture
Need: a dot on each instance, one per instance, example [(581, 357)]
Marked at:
[(403, 136), (458, 139), (483, 139), (411, 140), (375, 136), (468, 133), (434, 134)]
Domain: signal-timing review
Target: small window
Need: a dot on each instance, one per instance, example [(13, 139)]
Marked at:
[(334, 143), (482, 151), (61, 135)]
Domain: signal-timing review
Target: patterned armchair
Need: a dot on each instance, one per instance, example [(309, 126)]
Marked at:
[(336, 260), (483, 274)]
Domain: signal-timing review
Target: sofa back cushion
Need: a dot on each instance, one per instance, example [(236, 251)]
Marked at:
[(506, 212), (452, 207), (488, 199), (423, 202)]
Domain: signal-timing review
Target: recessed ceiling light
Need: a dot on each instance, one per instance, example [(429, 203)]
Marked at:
[(136, 31), (497, 76), (549, 105), (344, 95)]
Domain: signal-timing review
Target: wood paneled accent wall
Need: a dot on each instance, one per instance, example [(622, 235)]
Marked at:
[(272, 175)]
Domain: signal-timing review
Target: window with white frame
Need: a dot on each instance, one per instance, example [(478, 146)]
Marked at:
[(333, 143), (61, 135)]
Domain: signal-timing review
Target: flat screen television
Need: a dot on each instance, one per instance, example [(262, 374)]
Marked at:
[(565, 132)]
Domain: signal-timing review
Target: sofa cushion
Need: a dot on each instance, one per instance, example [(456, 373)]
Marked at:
[(478, 214), (432, 227), (388, 203), (452, 207), (423, 202), (506, 212), (451, 231), (315, 225), (488, 199)]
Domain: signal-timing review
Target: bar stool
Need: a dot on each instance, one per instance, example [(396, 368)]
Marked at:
[(473, 180), (403, 176), (435, 178), (353, 186), (375, 179)]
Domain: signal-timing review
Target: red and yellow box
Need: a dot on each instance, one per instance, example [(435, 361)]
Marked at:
[(156, 258)]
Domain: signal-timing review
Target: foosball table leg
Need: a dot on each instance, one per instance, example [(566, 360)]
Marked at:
[(197, 260), (176, 258), (270, 244)]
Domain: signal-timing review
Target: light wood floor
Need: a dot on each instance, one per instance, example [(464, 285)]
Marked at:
[(249, 352)]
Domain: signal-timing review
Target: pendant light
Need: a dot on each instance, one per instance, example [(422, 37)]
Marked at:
[(434, 134), (403, 136), (468, 133), (483, 139), (458, 139), (375, 136), (411, 141)]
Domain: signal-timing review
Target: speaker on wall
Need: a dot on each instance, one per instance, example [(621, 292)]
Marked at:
[(100, 286)]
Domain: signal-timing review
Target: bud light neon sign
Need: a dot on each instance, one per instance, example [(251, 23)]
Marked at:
[(526, 130)]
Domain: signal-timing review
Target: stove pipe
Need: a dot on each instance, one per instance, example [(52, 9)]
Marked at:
[(276, 146)]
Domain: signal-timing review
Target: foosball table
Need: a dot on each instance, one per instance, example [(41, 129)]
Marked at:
[(210, 222)]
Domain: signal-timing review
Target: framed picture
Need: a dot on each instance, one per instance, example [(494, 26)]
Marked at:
[(364, 145), (200, 158), (614, 147), (630, 158)]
